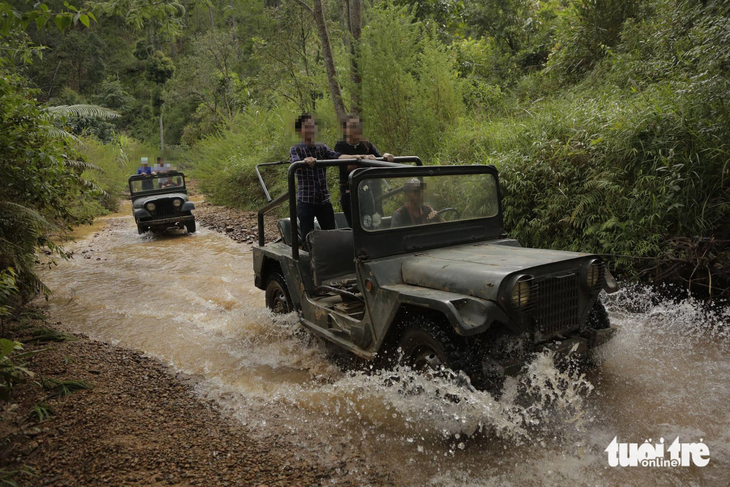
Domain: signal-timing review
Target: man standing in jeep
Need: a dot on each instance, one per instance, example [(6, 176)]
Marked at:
[(313, 197), (353, 143)]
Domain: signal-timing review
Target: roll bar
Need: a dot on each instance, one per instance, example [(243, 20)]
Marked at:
[(292, 196)]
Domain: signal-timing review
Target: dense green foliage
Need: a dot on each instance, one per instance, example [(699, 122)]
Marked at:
[(44, 189), (608, 119)]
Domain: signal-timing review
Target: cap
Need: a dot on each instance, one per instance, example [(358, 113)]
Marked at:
[(144, 160), (412, 185)]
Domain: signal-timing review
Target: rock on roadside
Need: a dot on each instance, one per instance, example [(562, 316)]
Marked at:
[(240, 225)]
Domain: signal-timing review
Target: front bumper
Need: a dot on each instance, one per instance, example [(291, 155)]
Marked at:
[(167, 221), (574, 345), (579, 343)]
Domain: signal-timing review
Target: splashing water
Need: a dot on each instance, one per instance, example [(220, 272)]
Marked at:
[(190, 301)]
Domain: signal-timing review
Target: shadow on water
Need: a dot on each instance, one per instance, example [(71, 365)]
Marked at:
[(190, 301)]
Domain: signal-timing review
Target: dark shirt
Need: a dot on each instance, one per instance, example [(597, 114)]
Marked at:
[(312, 181), (361, 148), (144, 170), (402, 217)]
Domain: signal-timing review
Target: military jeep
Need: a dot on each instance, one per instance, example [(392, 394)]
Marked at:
[(428, 271), (161, 201)]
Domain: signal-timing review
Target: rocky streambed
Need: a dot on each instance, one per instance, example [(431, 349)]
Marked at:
[(137, 423)]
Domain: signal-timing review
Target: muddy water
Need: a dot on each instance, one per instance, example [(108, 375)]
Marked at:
[(189, 300)]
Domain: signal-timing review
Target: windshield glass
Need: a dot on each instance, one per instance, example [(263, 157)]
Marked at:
[(157, 182), (398, 202)]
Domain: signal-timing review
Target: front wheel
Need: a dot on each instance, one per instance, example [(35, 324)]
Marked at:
[(277, 295), (190, 225), (425, 345), (598, 317), (141, 228)]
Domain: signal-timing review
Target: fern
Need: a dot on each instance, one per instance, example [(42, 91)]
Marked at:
[(89, 111)]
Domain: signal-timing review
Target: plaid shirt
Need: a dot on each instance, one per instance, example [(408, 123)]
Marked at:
[(312, 182)]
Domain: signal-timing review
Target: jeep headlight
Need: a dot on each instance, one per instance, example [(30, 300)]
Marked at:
[(521, 292), (150, 206), (177, 203), (593, 274)]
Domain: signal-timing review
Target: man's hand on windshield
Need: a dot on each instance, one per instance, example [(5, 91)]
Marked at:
[(369, 156), (388, 157), (310, 160)]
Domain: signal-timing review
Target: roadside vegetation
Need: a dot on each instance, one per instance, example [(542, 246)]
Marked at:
[(608, 120)]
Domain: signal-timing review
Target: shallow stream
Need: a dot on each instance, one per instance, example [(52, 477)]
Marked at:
[(189, 300)]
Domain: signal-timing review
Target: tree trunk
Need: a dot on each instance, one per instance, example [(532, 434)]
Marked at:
[(356, 31), (212, 24), (162, 134), (233, 20), (329, 60)]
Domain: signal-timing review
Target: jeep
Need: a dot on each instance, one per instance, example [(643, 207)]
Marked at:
[(161, 201), (428, 270)]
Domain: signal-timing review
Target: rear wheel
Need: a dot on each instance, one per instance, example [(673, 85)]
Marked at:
[(277, 295), (190, 225)]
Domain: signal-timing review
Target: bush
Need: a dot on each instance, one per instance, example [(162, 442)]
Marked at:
[(618, 173)]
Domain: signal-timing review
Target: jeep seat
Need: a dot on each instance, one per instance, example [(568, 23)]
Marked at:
[(332, 253), (285, 227), (285, 230)]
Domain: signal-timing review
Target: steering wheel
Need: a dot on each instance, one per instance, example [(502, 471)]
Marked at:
[(446, 210)]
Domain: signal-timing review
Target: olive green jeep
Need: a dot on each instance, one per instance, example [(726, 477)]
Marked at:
[(427, 270), (160, 201)]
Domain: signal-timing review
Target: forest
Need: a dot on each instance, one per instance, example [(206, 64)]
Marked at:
[(608, 120)]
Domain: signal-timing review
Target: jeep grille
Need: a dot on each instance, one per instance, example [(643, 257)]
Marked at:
[(556, 306), (164, 207), (553, 306)]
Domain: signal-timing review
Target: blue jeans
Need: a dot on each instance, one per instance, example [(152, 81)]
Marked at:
[(306, 213)]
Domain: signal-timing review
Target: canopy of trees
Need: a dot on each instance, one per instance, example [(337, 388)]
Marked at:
[(608, 119)]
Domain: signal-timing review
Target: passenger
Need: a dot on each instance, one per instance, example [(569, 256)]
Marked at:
[(145, 168), (147, 171), (313, 197), (353, 143), (413, 211), (161, 167)]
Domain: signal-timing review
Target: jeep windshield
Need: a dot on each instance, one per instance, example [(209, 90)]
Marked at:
[(143, 184), (393, 202)]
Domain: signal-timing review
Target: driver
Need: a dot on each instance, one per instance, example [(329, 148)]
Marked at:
[(413, 211)]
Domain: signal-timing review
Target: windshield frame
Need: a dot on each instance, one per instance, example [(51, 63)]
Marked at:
[(404, 239), (143, 177)]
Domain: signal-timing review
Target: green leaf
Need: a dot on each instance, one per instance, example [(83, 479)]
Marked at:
[(84, 19), (6, 347)]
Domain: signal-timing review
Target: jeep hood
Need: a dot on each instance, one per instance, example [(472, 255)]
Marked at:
[(140, 202), (479, 269)]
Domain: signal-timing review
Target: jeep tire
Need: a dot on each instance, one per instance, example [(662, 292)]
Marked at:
[(425, 345), (141, 228), (277, 295), (598, 317), (190, 225)]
